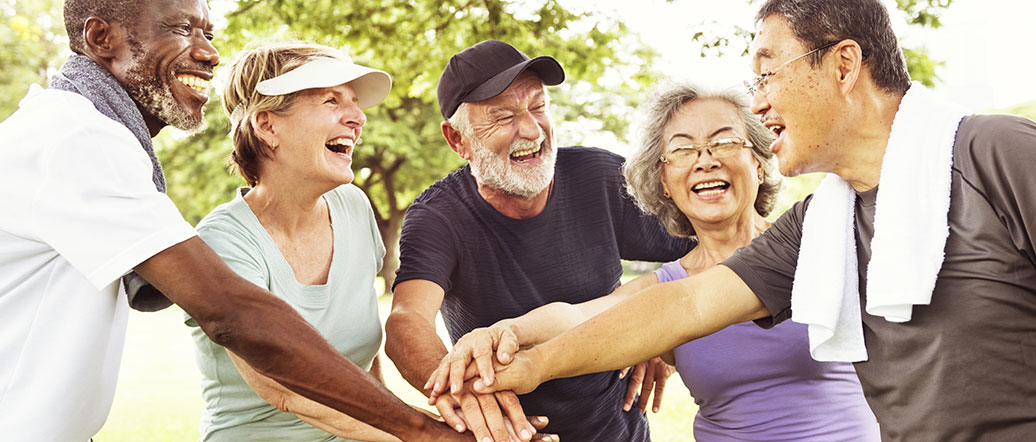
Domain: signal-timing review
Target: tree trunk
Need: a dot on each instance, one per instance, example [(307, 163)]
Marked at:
[(390, 235)]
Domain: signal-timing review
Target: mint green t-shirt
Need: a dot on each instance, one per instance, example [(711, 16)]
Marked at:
[(344, 310)]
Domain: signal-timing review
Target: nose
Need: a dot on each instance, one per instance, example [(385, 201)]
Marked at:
[(705, 162), (205, 52), (353, 116), (528, 127), (760, 104)]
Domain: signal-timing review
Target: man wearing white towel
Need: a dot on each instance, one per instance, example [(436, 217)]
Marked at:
[(943, 326)]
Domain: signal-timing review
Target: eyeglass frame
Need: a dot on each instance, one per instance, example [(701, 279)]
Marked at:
[(707, 147), (757, 84)]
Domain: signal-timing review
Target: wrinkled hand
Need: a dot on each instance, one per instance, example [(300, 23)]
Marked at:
[(647, 376), (478, 346), (491, 417), (522, 375)]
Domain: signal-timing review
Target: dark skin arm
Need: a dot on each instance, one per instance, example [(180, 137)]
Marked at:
[(268, 334)]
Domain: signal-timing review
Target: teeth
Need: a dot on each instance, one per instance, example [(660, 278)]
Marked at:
[(711, 192), (525, 152), (194, 82), (342, 141), (776, 129), (709, 185)]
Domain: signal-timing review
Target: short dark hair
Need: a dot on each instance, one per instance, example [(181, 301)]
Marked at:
[(77, 11), (818, 22)]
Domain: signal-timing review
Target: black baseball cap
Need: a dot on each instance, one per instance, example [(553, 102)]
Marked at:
[(485, 70)]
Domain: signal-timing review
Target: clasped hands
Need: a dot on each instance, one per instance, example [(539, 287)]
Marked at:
[(492, 360)]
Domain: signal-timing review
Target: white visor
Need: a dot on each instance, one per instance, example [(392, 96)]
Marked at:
[(371, 85)]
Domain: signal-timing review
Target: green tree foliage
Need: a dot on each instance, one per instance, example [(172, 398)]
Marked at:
[(916, 12), (608, 70), (32, 45), (403, 151), (1027, 110)]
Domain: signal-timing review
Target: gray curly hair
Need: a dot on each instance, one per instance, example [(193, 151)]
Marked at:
[(643, 170)]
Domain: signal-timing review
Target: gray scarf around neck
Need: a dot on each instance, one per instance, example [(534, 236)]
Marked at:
[(82, 76)]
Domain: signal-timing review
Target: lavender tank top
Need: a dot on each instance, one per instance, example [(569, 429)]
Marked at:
[(752, 384)]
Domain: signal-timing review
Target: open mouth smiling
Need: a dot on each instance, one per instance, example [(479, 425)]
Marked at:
[(341, 146), (527, 154), (198, 84), (710, 188)]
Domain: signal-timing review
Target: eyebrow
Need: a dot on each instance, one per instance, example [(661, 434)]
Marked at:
[(712, 135), (761, 54), (538, 95), (197, 21)]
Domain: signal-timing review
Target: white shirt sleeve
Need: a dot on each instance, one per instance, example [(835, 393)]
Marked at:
[(97, 206)]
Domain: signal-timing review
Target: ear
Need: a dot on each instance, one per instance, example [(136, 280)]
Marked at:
[(849, 59), (102, 39), (456, 140), (265, 129), (665, 188)]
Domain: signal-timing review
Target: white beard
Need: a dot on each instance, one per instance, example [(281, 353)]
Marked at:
[(496, 171)]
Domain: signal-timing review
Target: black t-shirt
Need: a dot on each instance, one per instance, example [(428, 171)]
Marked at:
[(494, 267), (964, 367)]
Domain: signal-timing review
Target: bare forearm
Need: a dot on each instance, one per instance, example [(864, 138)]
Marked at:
[(664, 316), (550, 320), (313, 413), (544, 323), (294, 355), (414, 347), (268, 334), (345, 427)]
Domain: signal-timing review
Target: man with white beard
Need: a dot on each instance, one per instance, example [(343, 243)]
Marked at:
[(522, 225)]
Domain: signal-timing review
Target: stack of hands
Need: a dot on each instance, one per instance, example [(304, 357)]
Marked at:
[(474, 390)]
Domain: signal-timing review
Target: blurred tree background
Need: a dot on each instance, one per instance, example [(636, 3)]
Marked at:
[(402, 150), (608, 69)]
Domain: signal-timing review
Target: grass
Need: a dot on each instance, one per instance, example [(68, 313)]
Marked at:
[(158, 398)]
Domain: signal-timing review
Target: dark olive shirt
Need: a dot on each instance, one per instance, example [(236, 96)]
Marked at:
[(964, 367)]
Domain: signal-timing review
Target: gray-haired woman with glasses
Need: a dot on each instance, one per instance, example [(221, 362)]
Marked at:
[(704, 169)]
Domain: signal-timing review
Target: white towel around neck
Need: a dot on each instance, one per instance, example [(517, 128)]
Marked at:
[(910, 231)]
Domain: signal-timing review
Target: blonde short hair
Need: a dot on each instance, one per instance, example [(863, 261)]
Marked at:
[(243, 103)]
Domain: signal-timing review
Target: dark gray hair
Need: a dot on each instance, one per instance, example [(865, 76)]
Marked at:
[(818, 22), (643, 170), (77, 11)]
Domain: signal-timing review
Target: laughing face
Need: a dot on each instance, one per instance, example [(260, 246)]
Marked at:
[(315, 137), (512, 147), (169, 64), (797, 101), (710, 190)]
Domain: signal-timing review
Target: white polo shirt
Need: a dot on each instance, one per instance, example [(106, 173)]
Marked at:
[(78, 210)]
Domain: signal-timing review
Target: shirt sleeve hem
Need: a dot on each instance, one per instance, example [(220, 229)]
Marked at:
[(760, 290), (139, 252)]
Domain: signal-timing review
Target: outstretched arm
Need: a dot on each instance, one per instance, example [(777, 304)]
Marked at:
[(664, 316), (313, 413), (271, 336), (505, 337)]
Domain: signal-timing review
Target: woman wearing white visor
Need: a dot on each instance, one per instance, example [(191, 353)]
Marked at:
[(300, 229)]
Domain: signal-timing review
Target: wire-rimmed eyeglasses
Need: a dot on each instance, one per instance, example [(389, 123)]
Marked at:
[(686, 155), (758, 84)]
